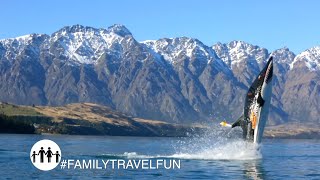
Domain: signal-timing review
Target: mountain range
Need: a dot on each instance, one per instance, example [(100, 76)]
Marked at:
[(178, 80)]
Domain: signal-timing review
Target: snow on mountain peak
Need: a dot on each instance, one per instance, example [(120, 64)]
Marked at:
[(173, 49), (119, 29), (12, 47), (83, 44), (310, 58), (87, 44), (23, 40), (235, 52), (283, 55)]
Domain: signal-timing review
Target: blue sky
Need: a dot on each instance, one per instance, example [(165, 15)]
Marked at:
[(271, 24)]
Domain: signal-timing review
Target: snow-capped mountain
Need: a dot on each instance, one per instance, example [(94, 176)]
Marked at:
[(236, 53), (174, 48), (242, 58), (85, 45), (172, 79), (13, 47), (309, 58)]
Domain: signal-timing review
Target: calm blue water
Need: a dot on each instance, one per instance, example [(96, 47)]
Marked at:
[(201, 158)]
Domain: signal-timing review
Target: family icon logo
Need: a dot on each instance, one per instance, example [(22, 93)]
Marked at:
[(45, 155)]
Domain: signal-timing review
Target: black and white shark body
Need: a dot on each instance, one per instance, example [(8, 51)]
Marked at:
[(256, 107)]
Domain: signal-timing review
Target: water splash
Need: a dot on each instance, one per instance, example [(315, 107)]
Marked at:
[(133, 155), (128, 155), (237, 150), (217, 144)]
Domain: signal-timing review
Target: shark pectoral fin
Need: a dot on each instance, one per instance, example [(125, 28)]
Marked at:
[(238, 122)]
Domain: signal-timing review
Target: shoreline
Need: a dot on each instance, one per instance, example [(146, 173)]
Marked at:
[(305, 135), (93, 119)]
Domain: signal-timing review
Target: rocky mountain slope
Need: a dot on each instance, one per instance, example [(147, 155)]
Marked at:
[(171, 79)]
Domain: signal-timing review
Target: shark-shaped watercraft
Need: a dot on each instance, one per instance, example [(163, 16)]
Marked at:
[(256, 107)]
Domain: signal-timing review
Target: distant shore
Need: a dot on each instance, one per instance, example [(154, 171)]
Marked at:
[(93, 119), (293, 131), (305, 135), (84, 119)]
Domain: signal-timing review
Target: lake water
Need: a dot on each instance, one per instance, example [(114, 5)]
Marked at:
[(206, 157)]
